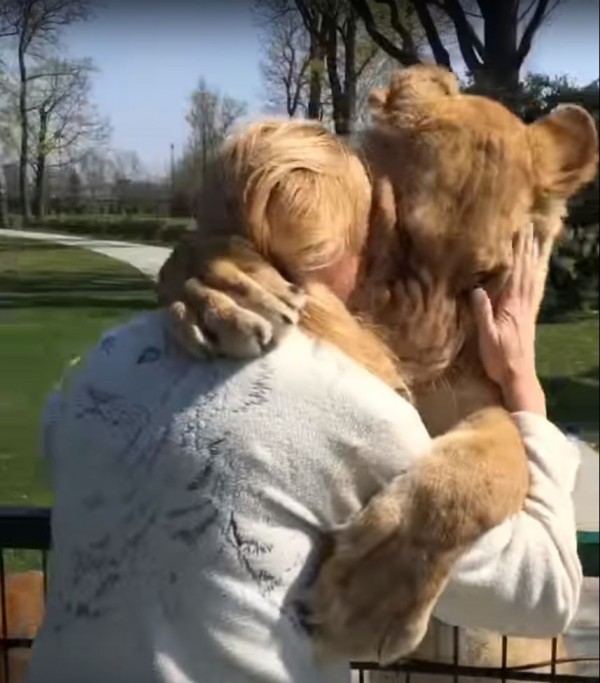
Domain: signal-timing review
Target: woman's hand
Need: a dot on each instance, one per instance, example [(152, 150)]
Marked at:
[(507, 334)]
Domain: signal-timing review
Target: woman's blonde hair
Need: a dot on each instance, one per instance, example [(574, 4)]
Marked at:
[(294, 189), (303, 199)]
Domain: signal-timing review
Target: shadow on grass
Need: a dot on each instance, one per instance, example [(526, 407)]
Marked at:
[(574, 399), (65, 290), (14, 244)]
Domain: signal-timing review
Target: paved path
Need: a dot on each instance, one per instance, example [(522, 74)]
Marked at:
[(583, 633), (146, 258), (582, 636)]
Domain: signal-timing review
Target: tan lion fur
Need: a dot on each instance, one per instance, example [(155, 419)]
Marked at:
[(454, 177)]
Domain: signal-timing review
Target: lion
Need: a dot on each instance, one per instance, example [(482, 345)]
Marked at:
[(454, 177)]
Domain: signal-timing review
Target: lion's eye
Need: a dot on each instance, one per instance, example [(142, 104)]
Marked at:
[(481, 278), (491, 279)]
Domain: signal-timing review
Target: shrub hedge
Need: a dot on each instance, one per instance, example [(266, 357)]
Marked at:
[(145, 230)]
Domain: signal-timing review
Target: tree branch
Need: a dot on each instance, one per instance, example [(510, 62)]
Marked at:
[(530, 30), (440, 54), (395, 22), (527, 10), (331, 47), (309, 18), (402, 56), (300, 83), (483, 6), (360, 69), (52, 74), (440, 5), (471, 47)]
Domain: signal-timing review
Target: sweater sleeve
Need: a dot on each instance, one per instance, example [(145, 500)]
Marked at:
[(523, 578)]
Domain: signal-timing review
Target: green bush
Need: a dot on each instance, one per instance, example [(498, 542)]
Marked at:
[(146, 230), (573, 273)]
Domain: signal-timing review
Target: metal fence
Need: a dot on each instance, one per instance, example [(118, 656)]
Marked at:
[(27, 530)]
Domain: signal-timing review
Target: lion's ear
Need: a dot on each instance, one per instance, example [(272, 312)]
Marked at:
[(423, 82), (565, 150), (377, 99)]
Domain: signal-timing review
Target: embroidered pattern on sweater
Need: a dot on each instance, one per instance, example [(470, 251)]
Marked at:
[(209, 502)]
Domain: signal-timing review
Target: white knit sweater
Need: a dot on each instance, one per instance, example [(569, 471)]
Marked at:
[(190, 500)]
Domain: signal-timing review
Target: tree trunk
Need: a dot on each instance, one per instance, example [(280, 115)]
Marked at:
[(24, 151), (330, 26), (350, 76), (343, 95), (315, 86), (40, 167), (500, 72), (3, 200)]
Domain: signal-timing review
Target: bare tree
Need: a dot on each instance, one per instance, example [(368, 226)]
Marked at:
[(94, 170), (285, 61), (3, 200), (210, 117), (6, 138), (125, 164), (34, 25), (317, 18), (494, 60), (66, 123), (63, 124), (348, 55), (316, 55), (289, 16)]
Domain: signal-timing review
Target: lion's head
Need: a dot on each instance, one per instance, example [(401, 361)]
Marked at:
[(455, 176)]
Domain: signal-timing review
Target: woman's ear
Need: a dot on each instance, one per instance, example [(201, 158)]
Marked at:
[(565, 150)]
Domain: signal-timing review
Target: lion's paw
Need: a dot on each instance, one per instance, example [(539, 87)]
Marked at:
[(375, 593), (235, 332), (242, 321)]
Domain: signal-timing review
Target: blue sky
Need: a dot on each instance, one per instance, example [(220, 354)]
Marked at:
[(152, 53)]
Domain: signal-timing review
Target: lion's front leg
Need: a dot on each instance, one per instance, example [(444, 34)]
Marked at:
[(376, 591), (223, 298)]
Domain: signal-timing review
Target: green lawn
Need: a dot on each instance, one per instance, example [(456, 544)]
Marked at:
[(568, 365), (54, 302)]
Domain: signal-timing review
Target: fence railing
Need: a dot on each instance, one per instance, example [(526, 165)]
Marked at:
[(28, 529)]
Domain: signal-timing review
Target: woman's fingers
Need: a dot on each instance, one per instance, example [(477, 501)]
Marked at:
[(543, 249), (533, 274), (515, 280), (523, 262), (483, 312), (528, 263)]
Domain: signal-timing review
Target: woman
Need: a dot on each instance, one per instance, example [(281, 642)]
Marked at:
[(191, 498)]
